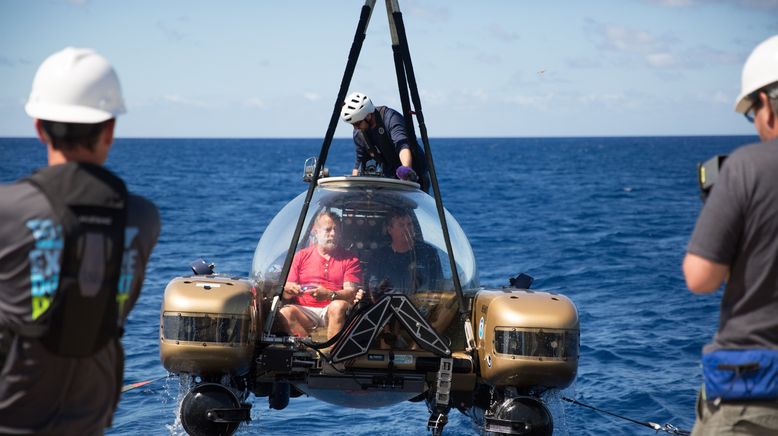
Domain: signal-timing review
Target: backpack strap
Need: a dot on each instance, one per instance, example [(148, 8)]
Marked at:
[(90, 203)]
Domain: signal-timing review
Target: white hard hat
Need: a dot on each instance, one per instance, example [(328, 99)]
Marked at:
[(75, 85), (356, 107), (760, 70)]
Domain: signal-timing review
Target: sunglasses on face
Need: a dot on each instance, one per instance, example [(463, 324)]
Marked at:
[(358, 123), (750, 113)]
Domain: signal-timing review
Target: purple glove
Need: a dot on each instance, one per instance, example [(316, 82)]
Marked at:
[(406, 173)]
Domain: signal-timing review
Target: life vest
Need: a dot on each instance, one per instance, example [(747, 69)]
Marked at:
[(90, 203), (387, 153)]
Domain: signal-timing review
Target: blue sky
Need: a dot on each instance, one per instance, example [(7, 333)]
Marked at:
[(485, 68)]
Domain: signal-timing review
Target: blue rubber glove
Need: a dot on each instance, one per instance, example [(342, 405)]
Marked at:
[(406, 173)]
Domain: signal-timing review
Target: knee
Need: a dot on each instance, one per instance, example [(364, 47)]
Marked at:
[(289, 312), (338, 308)]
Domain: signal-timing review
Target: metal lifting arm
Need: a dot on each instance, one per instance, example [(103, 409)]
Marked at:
[(353, 56)]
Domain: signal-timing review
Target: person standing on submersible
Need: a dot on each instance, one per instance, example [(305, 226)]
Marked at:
[(735, 241), (380, 135), (73, 251)]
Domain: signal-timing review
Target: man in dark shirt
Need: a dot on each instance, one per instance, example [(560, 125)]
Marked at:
[(735, 241), (53, 266), (406, 265), (380, 135)]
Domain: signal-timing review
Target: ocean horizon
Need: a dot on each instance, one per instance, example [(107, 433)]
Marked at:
[(601, 220)]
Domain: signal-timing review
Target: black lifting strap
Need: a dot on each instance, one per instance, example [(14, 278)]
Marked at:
[(414, 93), (353, 56), (402, 85)]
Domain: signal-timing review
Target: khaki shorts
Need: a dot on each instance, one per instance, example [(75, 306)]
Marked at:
[(755, 418), (317, 315)]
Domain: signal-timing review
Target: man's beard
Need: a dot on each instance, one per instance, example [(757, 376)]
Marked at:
[(329, 245)]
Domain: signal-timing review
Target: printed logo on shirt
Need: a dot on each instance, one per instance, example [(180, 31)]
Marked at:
[(44, 263), (129, 261)]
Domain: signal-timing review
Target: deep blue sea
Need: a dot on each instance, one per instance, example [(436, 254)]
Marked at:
[(602, 220)]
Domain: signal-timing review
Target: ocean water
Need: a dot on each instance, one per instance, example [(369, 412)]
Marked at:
[(603, 221)]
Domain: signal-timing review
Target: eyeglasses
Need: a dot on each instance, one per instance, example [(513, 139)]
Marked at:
[(750, 113)]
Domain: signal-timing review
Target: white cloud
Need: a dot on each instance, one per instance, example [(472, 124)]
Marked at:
[(433, 97), (16, 103), (582, 62), (170, 32), (661, 60), (540, 102), (254, 103), (718, 97), (476, 94), (630, 40), (183, 101), (488, 58), (763, 5), (311, 96), (704, 56), (611, 100), (672, 3), (663, 51), (759, 5), (421, 9), (503, 34)]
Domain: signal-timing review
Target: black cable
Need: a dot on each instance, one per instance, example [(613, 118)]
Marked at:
[(652, 425)]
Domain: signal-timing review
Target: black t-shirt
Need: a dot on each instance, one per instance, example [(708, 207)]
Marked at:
[(395, 125), (41, 392), (414, 270), (738, 226)]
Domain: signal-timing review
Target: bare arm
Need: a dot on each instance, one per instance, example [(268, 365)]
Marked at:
[(406, 158), (348, 293), (702, 275), (291, 289)]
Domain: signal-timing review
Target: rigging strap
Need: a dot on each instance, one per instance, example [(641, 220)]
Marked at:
[(399, 28), (356, 47)]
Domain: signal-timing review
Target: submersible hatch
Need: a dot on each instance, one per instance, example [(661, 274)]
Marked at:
[(401, 343)]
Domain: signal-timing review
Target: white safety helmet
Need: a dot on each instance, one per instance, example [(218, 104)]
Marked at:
[(75, 85), (760, 70), (356, 107)]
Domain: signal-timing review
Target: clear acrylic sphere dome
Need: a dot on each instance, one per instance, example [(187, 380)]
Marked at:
[(389, 225)]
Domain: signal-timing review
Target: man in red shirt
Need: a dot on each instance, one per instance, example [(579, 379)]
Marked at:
[(322, 282)]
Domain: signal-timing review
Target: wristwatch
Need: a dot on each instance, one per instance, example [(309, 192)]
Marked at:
[(334, 294)]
